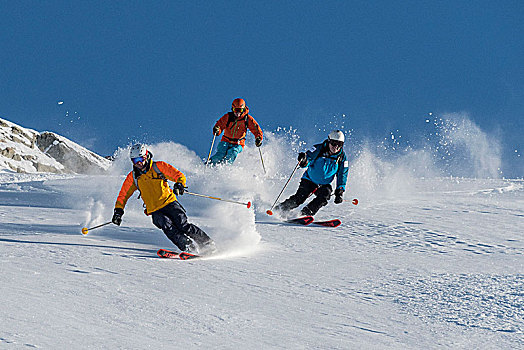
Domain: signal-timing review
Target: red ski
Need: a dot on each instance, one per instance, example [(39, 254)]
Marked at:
[(328, 223), (304, 220), (307, 220), (168, 254)]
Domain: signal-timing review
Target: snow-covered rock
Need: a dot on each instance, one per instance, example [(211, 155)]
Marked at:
[(28, 151)]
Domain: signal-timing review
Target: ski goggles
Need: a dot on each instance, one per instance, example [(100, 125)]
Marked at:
[(238, 109), (336, 143), (138, 159)]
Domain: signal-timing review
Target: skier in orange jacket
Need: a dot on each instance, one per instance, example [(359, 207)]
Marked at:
[(235, 125), (150, 178)]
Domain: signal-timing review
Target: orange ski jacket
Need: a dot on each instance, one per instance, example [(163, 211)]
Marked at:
[(235, 129), (154, 189)]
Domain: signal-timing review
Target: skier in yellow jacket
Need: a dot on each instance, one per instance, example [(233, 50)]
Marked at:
[(150, 178)]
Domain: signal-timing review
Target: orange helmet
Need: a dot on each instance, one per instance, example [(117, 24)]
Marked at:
[(238, 103)]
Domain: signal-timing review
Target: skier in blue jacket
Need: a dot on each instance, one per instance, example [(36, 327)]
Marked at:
[(324, 162)]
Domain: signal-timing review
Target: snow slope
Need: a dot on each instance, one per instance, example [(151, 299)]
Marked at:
[(433, 262)]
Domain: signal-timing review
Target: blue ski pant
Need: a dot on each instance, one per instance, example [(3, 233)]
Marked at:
[(226, 153), (172, 220)]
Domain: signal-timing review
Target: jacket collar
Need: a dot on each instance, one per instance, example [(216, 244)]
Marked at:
[(139, 172), (326, 152)]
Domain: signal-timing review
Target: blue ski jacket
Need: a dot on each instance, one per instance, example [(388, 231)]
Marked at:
[(323, 167)]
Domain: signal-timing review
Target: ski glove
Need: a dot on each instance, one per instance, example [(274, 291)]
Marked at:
[(339, 192), (216, 130), (302, 159), (178, 188), (258, 141), (117, 216)]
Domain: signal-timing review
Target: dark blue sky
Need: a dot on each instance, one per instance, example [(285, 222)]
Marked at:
[(166, 70)]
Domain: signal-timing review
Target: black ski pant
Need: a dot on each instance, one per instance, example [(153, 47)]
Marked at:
[(172, 220), (305, 189)]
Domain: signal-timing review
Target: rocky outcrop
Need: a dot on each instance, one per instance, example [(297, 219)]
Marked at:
[(27, 151), (80, 161)]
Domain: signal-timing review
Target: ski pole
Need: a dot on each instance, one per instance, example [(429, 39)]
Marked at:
[(211, 150), (85, 229), (248, 204), (262, 159), (269, 211), (354, 201)]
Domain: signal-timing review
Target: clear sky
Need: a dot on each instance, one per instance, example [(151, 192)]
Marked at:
[(167, 70)]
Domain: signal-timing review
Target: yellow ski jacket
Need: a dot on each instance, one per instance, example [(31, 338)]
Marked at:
[(153, 187)]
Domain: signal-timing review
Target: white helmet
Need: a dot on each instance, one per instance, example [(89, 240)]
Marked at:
[(137, 150), (336, 135)]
